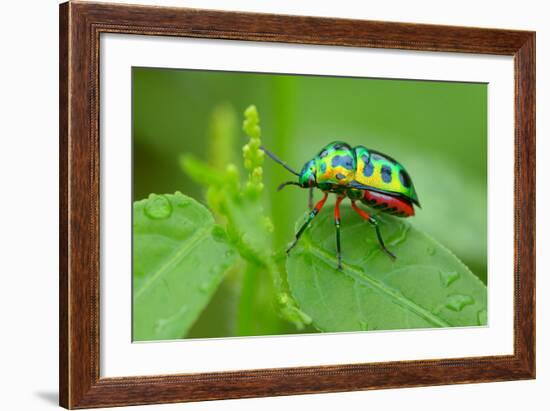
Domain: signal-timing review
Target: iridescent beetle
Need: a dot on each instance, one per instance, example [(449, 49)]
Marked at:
[(360, 174)]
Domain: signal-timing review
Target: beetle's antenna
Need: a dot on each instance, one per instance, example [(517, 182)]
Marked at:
[(288, 183), (278, 160)]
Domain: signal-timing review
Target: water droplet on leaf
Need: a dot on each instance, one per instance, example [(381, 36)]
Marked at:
[(448, 277), (158, 207), (457, 302)]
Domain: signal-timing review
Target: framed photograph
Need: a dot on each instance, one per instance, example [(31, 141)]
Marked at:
[(258, 205)]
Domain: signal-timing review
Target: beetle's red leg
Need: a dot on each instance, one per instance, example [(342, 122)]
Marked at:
[(372, 221), (337, 222), (312, 215)]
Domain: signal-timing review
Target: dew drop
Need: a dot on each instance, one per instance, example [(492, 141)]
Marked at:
[(180, 200), (482, 317), (229, 253), (457, 302), (158, 207), (448, 277)]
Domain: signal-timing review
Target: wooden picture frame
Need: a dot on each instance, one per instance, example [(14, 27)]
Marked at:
[(80, 27)]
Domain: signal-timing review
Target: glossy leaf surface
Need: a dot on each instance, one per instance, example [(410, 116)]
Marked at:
[(426, 286), (180, 258)]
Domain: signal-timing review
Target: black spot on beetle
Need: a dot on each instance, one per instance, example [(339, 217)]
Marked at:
[(338, 146), (377, 156), (404, 178), (386, 174), (368, 170), (340, 176), (343, 161)]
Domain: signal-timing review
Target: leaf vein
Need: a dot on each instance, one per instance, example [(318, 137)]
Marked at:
[(382, 288), (177, 256)]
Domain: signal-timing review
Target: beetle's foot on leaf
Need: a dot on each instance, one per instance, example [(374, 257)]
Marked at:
[(339, 260)]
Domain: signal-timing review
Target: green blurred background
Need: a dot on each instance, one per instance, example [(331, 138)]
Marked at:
[(437, 130)]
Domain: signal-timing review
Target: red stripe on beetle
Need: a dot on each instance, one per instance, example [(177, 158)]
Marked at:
[(388, 204)]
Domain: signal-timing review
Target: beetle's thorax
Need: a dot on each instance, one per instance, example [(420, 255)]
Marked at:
[(335, 165)]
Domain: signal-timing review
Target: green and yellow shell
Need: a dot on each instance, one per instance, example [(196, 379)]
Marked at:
[(338, 165)]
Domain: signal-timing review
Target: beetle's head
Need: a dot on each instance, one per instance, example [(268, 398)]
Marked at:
[(306, 178), (308, 175)]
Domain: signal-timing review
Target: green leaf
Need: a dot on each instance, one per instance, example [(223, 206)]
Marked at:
[(180, 258), (426, 286)]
